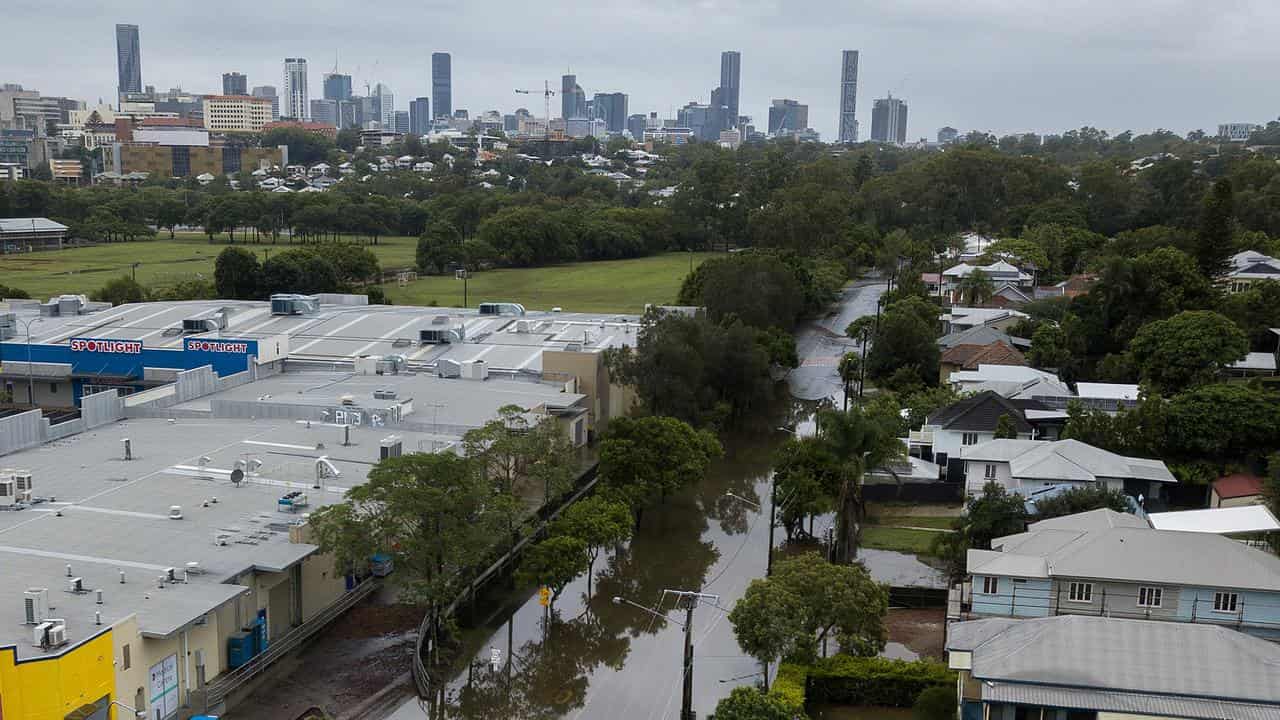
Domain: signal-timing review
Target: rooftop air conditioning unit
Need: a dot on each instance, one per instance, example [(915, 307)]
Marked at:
[(75, 585), (573, 347), (475, 370), (36, 605), (57, 636), (8, 325), (22, 481), (366, 365), (347, 400), (8, 495), (210, 321), (175, 512), (294, 304), (501, 308), (448, 368), (440, 320), (69, 305), (40, 634), (384, 394), (390, 446), (522, 326), (442, 335)]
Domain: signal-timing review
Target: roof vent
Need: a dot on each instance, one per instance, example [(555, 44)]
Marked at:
[(175, 512), (448, 368)]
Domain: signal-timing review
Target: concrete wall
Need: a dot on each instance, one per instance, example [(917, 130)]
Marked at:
[(101, 408), (192, 384), (20, 431)]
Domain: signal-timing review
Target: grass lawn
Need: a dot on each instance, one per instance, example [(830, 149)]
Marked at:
[(163, 262), (917, 542), (603, 286)]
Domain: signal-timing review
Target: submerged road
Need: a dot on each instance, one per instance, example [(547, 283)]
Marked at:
[(822, 342)]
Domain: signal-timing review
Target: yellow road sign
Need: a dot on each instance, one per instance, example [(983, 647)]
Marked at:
[(544, 596)]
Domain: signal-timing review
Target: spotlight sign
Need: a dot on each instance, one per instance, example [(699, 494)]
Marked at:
[(217, 346), (106, 345)]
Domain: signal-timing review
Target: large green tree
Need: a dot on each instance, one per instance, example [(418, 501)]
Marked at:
[(648, 457), (1188, 349)]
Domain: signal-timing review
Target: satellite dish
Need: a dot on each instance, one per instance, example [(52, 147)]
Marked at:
[(237, 477)]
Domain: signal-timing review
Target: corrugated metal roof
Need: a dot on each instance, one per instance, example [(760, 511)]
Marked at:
[(24, 225), (1223, 521), (1123, 702)]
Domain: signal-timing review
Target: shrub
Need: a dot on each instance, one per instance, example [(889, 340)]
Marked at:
[(847, 680), (935, 703), (788, 686)]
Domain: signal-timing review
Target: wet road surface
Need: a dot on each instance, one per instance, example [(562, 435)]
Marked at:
[(821, 343)]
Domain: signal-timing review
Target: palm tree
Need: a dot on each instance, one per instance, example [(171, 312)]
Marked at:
[(850, 370), (975, 288), (861, 440)]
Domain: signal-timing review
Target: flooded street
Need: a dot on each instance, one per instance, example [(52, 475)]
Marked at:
[(592, 658)]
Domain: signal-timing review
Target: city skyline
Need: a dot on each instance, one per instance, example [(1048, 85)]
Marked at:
[(1038, 79)]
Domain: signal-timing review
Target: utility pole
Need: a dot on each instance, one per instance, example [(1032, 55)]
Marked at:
[(690, 598)]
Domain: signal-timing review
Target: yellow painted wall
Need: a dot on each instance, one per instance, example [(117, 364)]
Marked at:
[(322, 585), (50, 688)]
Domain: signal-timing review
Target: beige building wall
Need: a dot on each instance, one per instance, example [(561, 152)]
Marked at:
[(133, 682), (236, 113), (605, 399)]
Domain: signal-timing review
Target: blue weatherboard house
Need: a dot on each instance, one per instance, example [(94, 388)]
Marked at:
[(1115, 565)]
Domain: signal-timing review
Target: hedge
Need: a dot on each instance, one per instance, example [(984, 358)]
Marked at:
[(847, 680), (789, 686)]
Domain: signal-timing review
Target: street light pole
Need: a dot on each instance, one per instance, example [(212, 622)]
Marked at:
[(690, 598)]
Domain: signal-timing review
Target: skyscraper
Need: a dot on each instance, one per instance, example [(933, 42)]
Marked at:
[(787, 116), (889, 121), (295, 89), (400, 121), (573, 101), (386, 106), (233, 83), (612, 108), (337, 86), (442, 83), (128, 60), (269, 91), (420, 116), (849, 97), (731, 82), (325, 111)]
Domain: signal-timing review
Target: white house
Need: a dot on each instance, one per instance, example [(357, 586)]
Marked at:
[(963, 318), (1028, 466), (1000, 273), (1249, 267)]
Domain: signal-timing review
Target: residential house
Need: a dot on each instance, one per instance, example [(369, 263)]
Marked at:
[(1129, 571), (970, 357), (1027, 466), (1235, 490), (981, 335), (1001, 274), (1073, 286), (967, 422), (1249, 267), (1008, 380), (963, 318), (1106, 668), (1246, 523)]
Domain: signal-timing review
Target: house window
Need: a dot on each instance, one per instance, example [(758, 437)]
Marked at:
[(1150, 597), (125, 661), (989, 472), (53, 388), (990, 585), (1080, 592), (1225, 602), (969, 439)]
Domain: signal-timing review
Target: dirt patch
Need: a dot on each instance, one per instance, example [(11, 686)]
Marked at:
[(922, 631)]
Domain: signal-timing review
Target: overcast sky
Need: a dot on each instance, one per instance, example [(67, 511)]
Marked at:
[(998, 65)]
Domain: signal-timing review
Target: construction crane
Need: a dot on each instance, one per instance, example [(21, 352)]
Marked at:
[(547, 92)]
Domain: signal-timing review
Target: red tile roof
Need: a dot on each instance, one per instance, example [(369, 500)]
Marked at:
[(1237, 485), (969, 357)]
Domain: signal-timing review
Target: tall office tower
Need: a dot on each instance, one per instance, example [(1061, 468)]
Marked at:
[(787, 116), (400, 121), (386, 101), (889, 121), (636, 126), (337, 86), (366, 112), (269, 91), (325, 112), (442, 83), (731, 81), (233, 83), (128, 60), (573, 101), (849, 97), (347, 114), (420, 116), (295, 89), (612, 108)]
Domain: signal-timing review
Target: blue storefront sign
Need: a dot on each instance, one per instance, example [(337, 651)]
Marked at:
[(118, 361)]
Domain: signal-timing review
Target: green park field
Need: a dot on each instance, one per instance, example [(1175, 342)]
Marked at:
[(607, 286), (602, 286)]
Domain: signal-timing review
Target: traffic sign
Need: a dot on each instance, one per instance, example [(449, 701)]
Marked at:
[(544, 596)]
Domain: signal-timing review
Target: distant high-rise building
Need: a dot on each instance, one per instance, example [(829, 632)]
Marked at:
[(442, 83), (573, 101), (889, 121), (386, 101), (787, 116), (1236, 131), (337, 86), (400, 121), (325, 111), (731, 81), (849, 97), (366, 112), (128, 60), (347, 114), (636, 126), (269, 91), (295, 89), (612, 108), (420, 116), (948, 135), (461, 114), (233, 83)]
